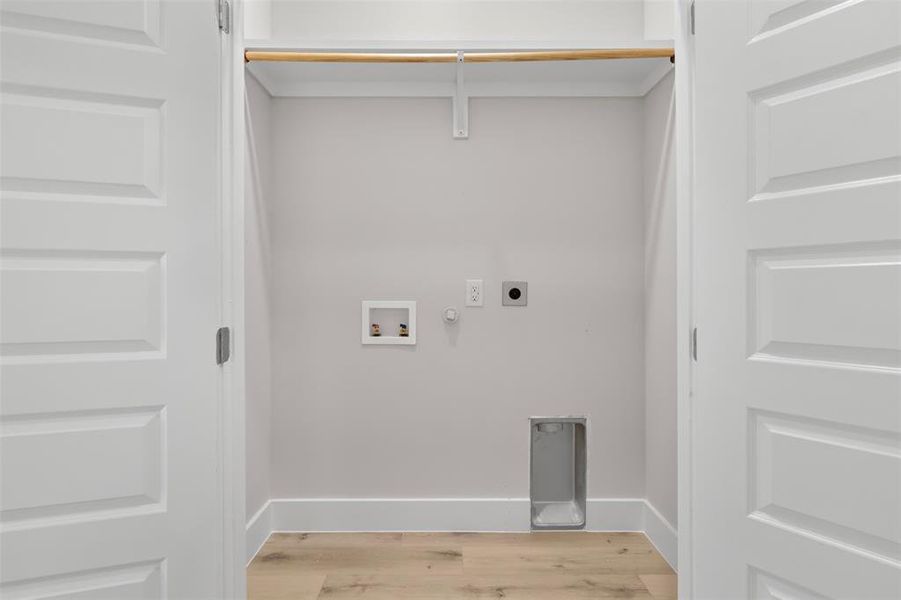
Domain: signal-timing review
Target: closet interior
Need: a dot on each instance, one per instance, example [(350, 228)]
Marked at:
[(396, 202)]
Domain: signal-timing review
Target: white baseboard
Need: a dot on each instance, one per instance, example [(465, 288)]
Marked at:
[(400, 514), (662, 535), (259, 527), (615, 514), (447, 514)]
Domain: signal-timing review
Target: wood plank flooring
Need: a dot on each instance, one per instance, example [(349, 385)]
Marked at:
[(440, 566)]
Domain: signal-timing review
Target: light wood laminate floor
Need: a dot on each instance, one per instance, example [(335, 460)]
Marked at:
[(433, 566)]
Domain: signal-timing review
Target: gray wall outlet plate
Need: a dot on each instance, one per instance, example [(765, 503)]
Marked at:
[(515, 293)]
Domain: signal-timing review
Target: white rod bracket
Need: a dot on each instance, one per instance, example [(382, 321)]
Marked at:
[(461, 103)]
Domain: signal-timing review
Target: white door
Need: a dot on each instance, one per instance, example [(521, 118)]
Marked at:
[(110, 300), (797, 405)]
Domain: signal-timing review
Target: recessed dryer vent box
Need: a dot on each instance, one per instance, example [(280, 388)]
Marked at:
[(558, 472), (515, 293)]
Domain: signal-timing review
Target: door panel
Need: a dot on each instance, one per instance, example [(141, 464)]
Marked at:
[(50, 126), (855, 323), (40, 451), (124, 582), (797, 397), (847, 474), (109, 267), (67, 303), (833, 130), (127, 22)]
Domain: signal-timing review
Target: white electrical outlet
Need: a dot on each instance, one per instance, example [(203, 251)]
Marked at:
[(474, 292)]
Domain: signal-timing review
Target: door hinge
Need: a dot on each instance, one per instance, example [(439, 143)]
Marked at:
[(225, 16), (223, 345), (691, 17), (693, 344)]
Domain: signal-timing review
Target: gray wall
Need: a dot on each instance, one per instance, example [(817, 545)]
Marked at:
[(373, 199), (660, 299), (256, 297)]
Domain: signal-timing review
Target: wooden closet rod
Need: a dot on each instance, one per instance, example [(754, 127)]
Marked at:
[(449, 57), (541, 55)]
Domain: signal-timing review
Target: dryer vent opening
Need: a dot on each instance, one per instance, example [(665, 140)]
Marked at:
[(558, 467)]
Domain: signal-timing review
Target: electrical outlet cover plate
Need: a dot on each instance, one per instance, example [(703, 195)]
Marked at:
[(515, 293), (474, 292)]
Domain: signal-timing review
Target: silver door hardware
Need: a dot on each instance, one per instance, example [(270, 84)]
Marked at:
[(223, 11), (694, 344), (691, 17), (223, 345)]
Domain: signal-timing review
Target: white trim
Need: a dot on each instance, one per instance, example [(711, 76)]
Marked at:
[(614, 514), (232, 409), (447, 514), (440, 514), (684, 84), (447, 45), (400, 514), (258, 530), (662, 534)]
